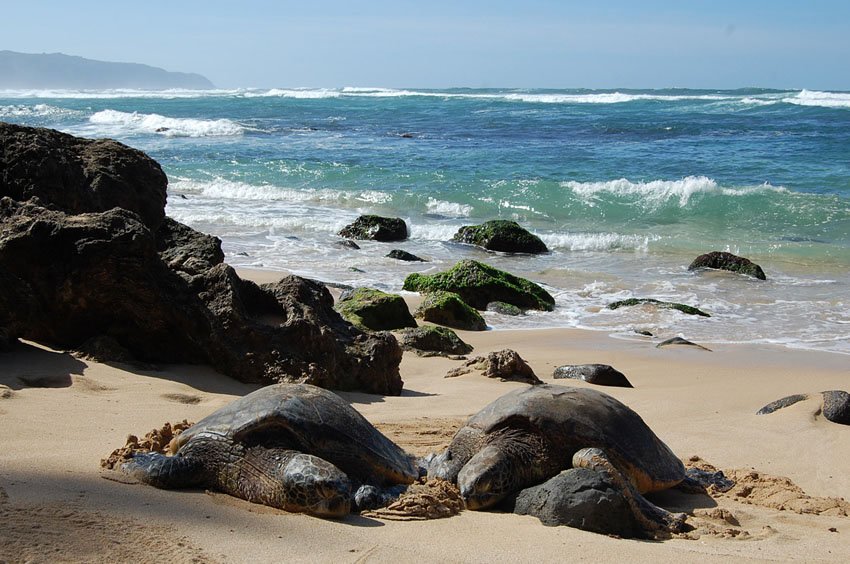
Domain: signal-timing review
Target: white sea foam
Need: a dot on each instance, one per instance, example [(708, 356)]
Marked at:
[(168, 126), (608, 98), (300, 93), (658, 192), (821, 99), (36, 111), (448, 209), (596, 241)]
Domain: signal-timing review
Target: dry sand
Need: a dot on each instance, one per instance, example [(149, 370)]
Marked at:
[(61, 415)]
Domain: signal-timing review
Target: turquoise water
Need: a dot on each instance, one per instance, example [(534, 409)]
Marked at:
[(626, 188)]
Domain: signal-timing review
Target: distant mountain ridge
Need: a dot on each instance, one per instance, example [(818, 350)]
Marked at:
[(57, 70)]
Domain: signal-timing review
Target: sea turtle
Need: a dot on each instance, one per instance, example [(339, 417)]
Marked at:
[(531, 434), (292, 446)]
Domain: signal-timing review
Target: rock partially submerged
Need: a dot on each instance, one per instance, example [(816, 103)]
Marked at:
[(503, 308), (501, 235), (679, 341), (727, 261), (374, 310), (599, 374), (689, 310), (376, 228), (479, 284), (447, 308), (429, 340), (400, 254)]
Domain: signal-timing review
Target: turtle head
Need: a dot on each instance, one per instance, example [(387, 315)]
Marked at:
[(488, 477), (448, 464)]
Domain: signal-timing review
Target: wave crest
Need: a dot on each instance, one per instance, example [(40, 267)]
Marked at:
[(657, 192), (168, 126)]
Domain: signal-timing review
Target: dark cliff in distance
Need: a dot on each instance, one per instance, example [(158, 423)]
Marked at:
[(55, 70)]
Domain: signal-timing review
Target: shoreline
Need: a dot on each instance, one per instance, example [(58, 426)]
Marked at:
[(62, 415)]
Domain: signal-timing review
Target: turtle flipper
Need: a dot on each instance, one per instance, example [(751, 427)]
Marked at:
[(289, 480), (652, 518), (167, 472)]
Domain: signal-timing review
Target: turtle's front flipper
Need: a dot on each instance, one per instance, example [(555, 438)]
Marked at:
[(167, 472), (651, 517), (289, 480)]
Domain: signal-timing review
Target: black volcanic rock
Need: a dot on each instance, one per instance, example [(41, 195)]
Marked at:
[(727, 261), (599, 374), (110, 280), (78, 175), (580, 498), (376, 228)]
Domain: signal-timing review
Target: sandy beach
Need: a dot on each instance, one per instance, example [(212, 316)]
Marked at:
[(61, 415)]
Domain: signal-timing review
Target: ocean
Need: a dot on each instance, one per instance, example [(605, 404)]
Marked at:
[(626, 187)]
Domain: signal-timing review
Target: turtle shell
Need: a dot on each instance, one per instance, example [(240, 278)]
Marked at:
[(574, 418), (310, 420)]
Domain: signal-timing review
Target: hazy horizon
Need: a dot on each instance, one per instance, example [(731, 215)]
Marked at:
[(542, 44)]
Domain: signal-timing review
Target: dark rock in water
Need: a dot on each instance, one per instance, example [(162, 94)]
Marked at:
[(154, 287), (644, 332), (501, 235), (580, 498), (479, 284), (680, 341), (506, 365), (504, 309), (836, 406), (186, 250), (348, 244), (690, 310), (374, 310), (728, 261), (599, 374), (399, 254), (780, 403), (447, 308), (429, 340), (78, 175), (376, 228)]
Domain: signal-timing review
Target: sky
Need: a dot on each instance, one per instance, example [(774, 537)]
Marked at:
[(440, 43)]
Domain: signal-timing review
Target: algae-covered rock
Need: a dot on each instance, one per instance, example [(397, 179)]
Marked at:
[(728, 261), (690, 310), (501, 235), (504, 309), (429, 340), (447, 308), (374, 310), (479, 284), (376, 228)]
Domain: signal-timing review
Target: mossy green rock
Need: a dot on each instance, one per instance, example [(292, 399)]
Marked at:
[(690, 310), (504, 309), (479, 284), (447, 308), (501, 235), (374, 310), (430, 340)]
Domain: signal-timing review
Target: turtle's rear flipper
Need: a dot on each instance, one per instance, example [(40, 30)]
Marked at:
[(167, 472), (652, 518)]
